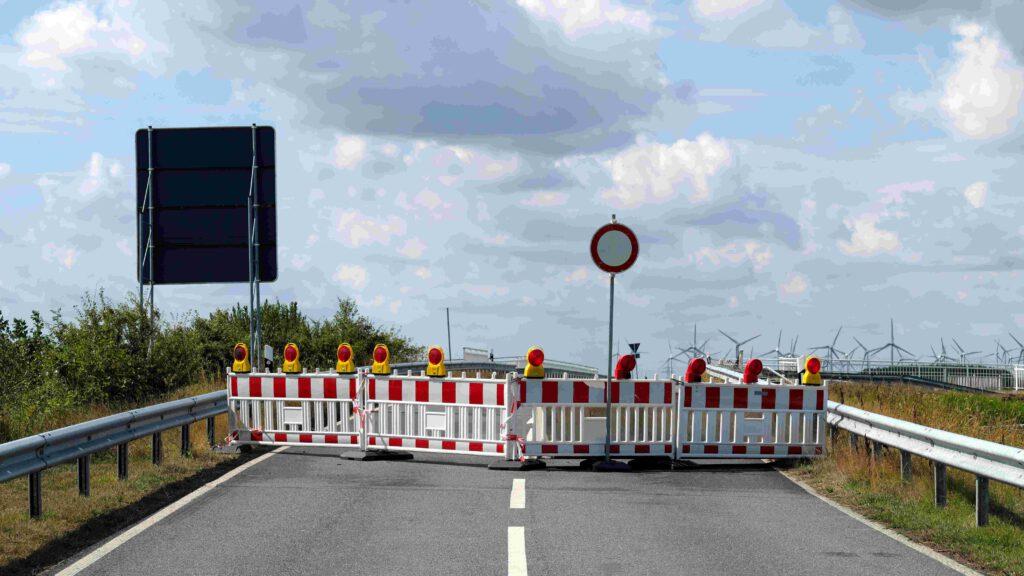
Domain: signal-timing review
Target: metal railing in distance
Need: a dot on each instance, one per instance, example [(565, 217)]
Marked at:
[(294, 409), (33, 454), (986, 460), (566, 417), (451, 415)]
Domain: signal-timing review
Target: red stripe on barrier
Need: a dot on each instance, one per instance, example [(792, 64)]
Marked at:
[(687, 396), (306, 438), (796, 399), (767, 450), (641, 449), (448, 395), (711, 397), (668, 448), (255, 387), (476, 393), (330, 388), (305, 388), (642, 392), (501, 395), (395, 390), (352, 389), (280, 437), (422, 391), (476, 446), (615, 448), (793, 450), (501, 448), (819, 404), (256, 435), (234, 385), (668, 393), (739, 397), (330, 438), (615, 392), (549, 392), (768, 399), (373, 441), (447, 445), (372, 391), (522, 391), (353, 439), (394, 441), (580, 449), (420, 443), (739, 449), (280, 388), (711, 449), (685, 448), (580, 392), (548, 449)]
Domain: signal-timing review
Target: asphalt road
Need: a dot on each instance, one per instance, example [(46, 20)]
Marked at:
[(307, 512)]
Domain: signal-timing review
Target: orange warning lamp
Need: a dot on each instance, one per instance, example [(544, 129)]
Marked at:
[(381, 356), (240, 354), (534, 363), (812, 371), (695, 371), (752, 371), (291, 359), (346, 363), (435, 362)]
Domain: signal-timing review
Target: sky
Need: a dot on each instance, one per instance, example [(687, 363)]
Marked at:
[(794, 166)]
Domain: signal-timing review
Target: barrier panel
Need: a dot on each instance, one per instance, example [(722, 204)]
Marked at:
[(751, 420), (565, 417), (454, 415), (294, 409)]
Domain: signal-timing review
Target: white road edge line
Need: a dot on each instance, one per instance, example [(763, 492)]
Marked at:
[(517, 500), (516, 551), (164, 512), (944, 560)]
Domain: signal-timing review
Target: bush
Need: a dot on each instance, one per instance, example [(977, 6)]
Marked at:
[(112, 354)]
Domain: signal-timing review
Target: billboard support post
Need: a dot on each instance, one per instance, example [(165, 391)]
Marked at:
[(147, 206), (255, 328)]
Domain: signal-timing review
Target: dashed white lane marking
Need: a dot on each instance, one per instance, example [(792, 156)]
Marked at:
[(945, 561), (517, 499), (134, 531), (516, 551)]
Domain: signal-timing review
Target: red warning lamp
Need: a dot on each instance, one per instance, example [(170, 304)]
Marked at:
[(752, 371), (240, 354), (695, 370), (534, 363), (813, 365), (291, 359), (624, 367), (435, 362), (381, 356), (536, 357), (345, 363), (812, 372)]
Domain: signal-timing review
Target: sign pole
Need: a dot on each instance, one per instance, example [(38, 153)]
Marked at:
[(608, 382)]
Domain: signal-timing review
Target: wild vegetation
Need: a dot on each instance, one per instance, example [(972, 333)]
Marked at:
[(872, 485), (108, 355)]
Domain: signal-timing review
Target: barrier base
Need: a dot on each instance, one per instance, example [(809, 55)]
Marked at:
[(232, 449), (524, 465), (653, 463), (374, 455), (611, 466)]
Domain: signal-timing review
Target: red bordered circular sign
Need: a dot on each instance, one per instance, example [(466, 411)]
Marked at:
[(614, 248)]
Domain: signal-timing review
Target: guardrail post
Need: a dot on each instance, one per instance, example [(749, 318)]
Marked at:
[(939, 470), (210, 439), (83, 474), (906, 471), (981, 500), (158, 448), (186, 440), (35, 494), (853, 442), (122, 461)]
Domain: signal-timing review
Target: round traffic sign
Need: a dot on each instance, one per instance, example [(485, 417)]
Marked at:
[(614, 248)]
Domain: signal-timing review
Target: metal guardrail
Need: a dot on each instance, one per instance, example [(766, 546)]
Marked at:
[(33, 454), (986, 460)]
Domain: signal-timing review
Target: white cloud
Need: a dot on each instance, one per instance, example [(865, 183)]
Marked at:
[(771, 24), (579, 17), (541, 199), (866, 238), (795, 285), (652, 173), (844, 31), (723, 9), (423, 272), (577, 276), (413, 248), (982, 93), (394, 306), (758, 254), (357, 229), (348, 151), (976, 194), (63, 255), (5, 169), (354, 276)]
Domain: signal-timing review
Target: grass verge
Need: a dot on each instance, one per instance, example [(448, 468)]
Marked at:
[(872, 486), (71, 522)]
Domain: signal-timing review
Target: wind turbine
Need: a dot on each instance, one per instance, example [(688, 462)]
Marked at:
[(1020, 355), (693, 350), (963, 355), (738, 344), (892, 346), (778, 348), (867, 352), (792, 345), (833, 352)]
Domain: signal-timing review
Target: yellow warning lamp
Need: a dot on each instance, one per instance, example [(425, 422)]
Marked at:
[(240, 353), (291, 359), (812, 371), (381, 357), (435, 362), (346, 365), (534, 363)]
